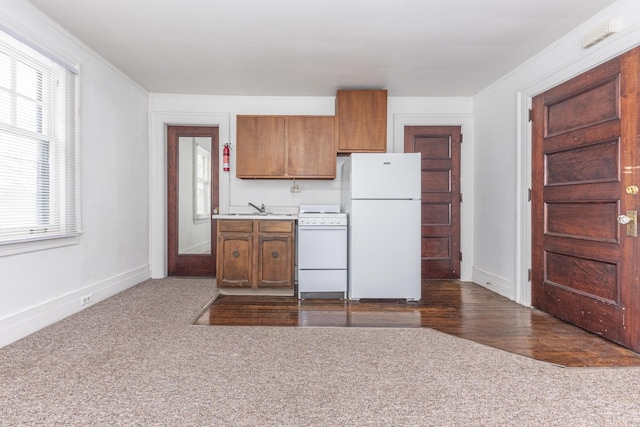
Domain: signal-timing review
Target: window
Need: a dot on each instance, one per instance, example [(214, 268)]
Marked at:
[(38, 146)]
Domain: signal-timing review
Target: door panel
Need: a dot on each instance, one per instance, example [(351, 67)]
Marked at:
[(236, 260), (275, 260), (584, 134), (192, 192), (440, 179)]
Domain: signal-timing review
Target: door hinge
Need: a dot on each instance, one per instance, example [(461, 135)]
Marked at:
[(460, 197), (529, 194), (461, 139), (530, 114), (529, 275), (460, 256)]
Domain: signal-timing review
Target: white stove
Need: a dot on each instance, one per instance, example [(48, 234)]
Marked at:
[(322, 252), (321, 215)]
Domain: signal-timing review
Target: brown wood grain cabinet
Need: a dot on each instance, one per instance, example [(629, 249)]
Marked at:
[(234, 263), (255, 253), (285, 147), (260, 147), (361, 121), (311, 147), (275, 266)]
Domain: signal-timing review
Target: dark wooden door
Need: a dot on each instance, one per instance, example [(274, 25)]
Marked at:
[(192, 184), (585, 136), (440, 150)]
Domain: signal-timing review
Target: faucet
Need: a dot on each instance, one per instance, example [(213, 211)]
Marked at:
[(259, 209)]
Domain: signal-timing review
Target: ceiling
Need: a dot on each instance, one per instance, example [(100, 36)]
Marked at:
[(313, 47)]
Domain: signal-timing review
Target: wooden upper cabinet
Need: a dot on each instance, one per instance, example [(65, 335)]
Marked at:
[(260, 148), (285, 147), (361, 121), (311, 147)]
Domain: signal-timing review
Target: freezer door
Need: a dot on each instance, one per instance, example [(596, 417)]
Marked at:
[(384, 249), (385, 176)]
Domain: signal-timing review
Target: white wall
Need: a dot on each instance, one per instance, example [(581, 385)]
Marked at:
[(39, 288), (171, 109), (503, 152)]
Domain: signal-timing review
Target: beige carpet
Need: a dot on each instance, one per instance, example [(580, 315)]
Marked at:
[(136, 360)]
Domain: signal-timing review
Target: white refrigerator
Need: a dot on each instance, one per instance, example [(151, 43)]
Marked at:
[(381, 196)]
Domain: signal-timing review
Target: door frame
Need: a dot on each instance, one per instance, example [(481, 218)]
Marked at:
[(568, 69), (466, 123), (188, 264), (159, 121)]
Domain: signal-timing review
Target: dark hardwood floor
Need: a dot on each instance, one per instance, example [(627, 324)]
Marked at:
[(457, 308)]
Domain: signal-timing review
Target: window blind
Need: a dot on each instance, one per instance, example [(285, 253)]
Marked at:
[(38, 145)]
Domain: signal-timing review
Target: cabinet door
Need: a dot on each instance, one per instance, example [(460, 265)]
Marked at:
[(234, 260), (311, 147), (275, 261), (260, 146), (361, 121)]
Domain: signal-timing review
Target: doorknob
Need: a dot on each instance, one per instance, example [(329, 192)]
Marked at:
[(623, 219), (631, 221)]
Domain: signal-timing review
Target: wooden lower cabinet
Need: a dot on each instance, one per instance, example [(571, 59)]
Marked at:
[(234, 260), (255, 254), (274, 261)]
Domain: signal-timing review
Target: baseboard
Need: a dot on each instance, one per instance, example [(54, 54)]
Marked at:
[(272, 292), (20, 325), (496, 284)]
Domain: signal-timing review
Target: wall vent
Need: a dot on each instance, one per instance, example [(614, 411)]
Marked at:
[(599, 33)]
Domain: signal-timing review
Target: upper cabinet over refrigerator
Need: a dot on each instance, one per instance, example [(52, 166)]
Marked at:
[(361, 121)]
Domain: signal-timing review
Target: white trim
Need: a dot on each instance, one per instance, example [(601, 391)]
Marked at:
[(494, 283), (158, 122), (594, 56), (38, 245), (522, 286), (19, 325), (466, 122)]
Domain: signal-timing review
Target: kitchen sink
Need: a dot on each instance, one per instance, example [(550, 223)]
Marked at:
[(248, 213)]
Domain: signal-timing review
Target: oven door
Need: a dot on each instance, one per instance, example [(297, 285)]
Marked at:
[(322, 247)]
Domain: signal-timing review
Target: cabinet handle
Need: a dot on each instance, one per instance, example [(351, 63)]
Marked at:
[(236, 254), (274, 254)]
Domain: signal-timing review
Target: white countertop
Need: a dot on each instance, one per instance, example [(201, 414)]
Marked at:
[(268, 216)]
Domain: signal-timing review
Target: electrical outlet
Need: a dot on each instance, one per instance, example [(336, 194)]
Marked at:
[(86, 299)]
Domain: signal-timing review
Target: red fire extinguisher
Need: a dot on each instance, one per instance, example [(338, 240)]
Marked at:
[(226, 151)]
